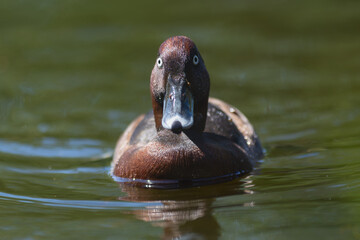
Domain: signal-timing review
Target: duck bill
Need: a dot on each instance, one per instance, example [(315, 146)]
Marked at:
[(178, 109)]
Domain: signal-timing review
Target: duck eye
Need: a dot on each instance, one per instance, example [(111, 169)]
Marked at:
[(159, 62), (195, 60)]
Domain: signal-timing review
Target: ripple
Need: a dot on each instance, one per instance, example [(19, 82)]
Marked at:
[(60, 171), (83, 204), (173, 184), (54, 148)]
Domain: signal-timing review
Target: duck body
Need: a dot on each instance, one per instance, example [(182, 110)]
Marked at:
[(188, 135)]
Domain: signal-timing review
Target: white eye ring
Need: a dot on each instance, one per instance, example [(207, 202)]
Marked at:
[(159, 62), (195, 60)]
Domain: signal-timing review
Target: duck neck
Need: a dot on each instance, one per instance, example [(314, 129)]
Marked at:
[(157, 110), (200, 114)]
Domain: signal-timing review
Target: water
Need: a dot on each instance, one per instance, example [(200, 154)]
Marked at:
[(73, 74)]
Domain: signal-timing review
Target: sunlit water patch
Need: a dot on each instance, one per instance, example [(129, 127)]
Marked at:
[(54, 148)]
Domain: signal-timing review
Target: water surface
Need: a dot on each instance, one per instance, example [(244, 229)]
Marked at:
[(73, 74)]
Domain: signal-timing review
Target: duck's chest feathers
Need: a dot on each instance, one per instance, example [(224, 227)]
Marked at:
[(183, 157)]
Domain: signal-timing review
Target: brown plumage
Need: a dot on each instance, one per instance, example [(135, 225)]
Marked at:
[(202, 138)]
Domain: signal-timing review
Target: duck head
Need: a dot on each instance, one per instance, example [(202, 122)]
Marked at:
[(179, 86)]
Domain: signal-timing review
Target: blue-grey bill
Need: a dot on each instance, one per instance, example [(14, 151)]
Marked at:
[(178, 107)]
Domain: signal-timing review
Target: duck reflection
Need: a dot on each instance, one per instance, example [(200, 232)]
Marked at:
[(182, 213)]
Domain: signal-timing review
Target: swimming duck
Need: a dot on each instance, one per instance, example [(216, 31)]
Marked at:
[(187, 136)]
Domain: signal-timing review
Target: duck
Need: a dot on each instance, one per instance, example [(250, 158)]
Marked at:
[(187, 136)]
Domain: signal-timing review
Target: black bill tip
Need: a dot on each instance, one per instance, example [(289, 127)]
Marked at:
[(176, 127)]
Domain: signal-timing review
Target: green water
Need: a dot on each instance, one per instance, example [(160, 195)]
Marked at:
[(73, 74)]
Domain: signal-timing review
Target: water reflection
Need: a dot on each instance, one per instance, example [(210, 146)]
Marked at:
[(182, 213)]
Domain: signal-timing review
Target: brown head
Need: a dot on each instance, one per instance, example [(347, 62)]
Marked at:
[(179, 86)]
